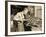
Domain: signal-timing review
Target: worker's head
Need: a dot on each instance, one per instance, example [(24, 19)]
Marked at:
[(25, 11)]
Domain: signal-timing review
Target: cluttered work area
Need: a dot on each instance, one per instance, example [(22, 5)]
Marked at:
[(25, 18)]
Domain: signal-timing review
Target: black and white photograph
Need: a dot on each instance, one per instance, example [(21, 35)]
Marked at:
[(25, 18)]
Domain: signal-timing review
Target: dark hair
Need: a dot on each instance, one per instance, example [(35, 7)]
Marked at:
[(17, 8)]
